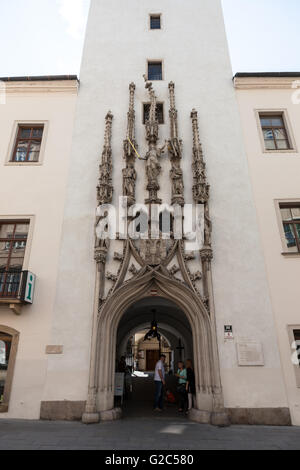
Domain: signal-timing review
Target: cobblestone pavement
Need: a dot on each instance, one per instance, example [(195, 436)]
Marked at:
[(156, 433)]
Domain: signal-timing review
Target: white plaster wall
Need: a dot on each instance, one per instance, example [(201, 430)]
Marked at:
[(37, 191), (192, 45), (276, 176)]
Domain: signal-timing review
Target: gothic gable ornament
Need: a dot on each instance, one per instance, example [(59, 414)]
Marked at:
[(168, 255)]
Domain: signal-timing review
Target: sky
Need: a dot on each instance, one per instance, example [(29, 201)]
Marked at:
[(45, 37)]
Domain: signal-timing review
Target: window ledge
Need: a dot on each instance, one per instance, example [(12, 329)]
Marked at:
[(279, 152), (291, 255), (23, 164)]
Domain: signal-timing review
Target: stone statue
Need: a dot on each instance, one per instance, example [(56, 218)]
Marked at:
[(207, 226), (153, 166), (129, 179), (177, 180)]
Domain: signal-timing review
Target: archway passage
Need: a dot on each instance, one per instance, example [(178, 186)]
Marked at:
[(155, 283), (176, 343)]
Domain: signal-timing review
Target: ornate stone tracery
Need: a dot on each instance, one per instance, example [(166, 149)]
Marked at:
[(200, 187), (175, 152), (129, 146), (154, 154), (153, 264)]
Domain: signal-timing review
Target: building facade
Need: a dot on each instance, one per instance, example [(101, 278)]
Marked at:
[(36, 122), (108, 291), (154, 223), (269, 107)]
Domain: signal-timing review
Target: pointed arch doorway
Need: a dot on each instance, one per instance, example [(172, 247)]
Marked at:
[(176, 343), (209, 406)]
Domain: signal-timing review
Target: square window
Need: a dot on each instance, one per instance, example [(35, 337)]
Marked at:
[(28, 144), (159, 112), (155, 22), (290, 215), (274, 132), (154, 70)]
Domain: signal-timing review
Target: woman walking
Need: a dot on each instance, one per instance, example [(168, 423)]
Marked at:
[(182, 383)]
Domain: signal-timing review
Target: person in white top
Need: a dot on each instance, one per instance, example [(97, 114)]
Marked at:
[(159, 379)]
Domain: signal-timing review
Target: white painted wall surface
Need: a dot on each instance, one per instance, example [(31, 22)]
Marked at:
[(39, 192), (275, 177), (193, 47)]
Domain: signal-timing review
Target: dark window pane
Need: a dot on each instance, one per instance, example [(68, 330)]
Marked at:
[(265, 122), (155, 22), (289, 236), (277, 121), (37, 133), (154, 71), (25, 133)]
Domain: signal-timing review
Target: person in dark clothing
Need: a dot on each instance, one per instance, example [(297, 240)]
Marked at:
[(190, 385), (182, 386), (122, 366)]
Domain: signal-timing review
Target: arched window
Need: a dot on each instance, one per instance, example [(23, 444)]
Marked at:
[(9, 339)]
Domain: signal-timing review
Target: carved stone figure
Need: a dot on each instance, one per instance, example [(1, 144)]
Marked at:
[(118, 257), (153, 252), (177, 181), (111, 277), (175, 152), (129, 181), (104, 191), (153, 155), (153, 167), (207, 227), (196, 276), (129, 173), (174, 270), (133, 270)]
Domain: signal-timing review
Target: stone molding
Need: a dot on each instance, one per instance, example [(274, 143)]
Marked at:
[(252, 83), (64, 86)]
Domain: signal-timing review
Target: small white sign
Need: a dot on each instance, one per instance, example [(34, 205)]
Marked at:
[(119, 384), (228, 332), (29, 289), (250, 353)]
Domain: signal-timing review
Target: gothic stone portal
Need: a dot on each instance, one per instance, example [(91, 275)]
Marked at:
[(154, 264), (209, 400)]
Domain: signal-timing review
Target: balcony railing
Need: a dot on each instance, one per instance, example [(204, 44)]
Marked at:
[(12, 284)]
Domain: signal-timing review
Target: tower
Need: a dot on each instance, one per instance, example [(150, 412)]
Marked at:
[(179, 142)]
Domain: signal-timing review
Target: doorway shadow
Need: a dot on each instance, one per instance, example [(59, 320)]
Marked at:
[(139, 402)]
